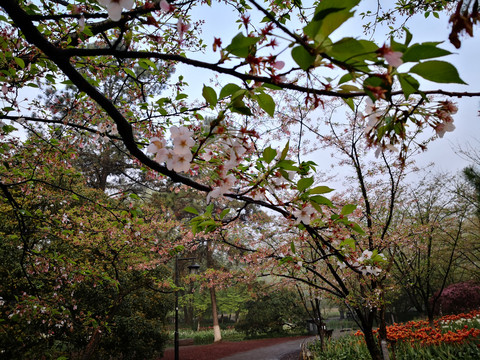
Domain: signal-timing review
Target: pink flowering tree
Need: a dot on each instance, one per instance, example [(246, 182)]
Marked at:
[(216, 144)]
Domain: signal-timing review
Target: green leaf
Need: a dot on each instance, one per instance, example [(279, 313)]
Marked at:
[(438, 71), (357, 228), (240, 45), (228, 90), (321, 200), (353, 51), (146, 64), (302, 57), (210, 95), (329, 15), (224, 213), (348, 242), (418, 52), (130, 72), (350, 103), (348, 209), (19, 62), (287, 165), (134, 196), (304, 183), (266, 103), (285, 259), (269, 154), (292, 247), (409, 84), (285, 151), (191, 210), (320, 190)]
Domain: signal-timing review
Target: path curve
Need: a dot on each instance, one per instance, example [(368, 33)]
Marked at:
[(224, 349), (273, 352)]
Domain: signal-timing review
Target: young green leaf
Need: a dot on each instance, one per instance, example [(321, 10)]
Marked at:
[(191, 210), (348, 209), (304, 183), (210, 95), (409, 84), (224, 213), (241, 44), (428, 50), (266, 103), (320, 200), (320, 190), (269, 154), (302, 57), (228, 90)]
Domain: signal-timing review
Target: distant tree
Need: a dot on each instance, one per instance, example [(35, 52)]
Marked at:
[(273, 313)]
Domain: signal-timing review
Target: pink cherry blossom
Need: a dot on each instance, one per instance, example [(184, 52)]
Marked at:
[(225, 185), (4, 89), (162, 155), (278, 65), (177, 131), (179, 162), (442, 128), (81, 23), (393, 58), (207, 155), (166, 6), (182, 144), (156, 144), (182, 27)]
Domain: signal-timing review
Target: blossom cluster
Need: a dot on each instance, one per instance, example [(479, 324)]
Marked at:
[(180, 156), (444, 114), (365, 263)]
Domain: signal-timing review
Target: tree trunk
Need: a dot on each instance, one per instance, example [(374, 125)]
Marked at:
[(217, 335), (372, 345)]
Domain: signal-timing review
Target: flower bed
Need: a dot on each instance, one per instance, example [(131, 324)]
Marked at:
[(451, 337)]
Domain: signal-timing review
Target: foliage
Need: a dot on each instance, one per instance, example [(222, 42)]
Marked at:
[(345, 348), (273, 313), (80, 273), (285, 61), (459, 298)]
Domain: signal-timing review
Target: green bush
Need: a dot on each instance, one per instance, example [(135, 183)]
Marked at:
[(203, 337), (275, 313)]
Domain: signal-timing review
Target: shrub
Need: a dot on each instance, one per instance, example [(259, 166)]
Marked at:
[(458, 298), (273, 313)]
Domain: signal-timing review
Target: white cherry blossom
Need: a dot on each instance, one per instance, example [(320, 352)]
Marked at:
[(304, 215)]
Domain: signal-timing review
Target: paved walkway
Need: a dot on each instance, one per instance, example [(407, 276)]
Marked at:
[(274, 352)]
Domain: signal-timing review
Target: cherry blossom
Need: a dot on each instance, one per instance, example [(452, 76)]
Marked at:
[(115, 7), (442, 128), (166, 6), (81, 23), (304, 215), (278, 65), (393, 58), (225, 185), (182, 28), (179, 162)]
